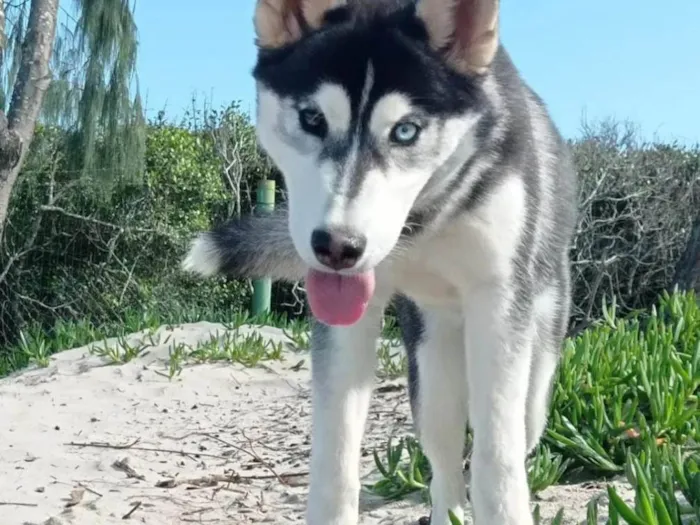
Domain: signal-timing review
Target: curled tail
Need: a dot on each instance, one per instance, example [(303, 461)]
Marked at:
[(253, 246)]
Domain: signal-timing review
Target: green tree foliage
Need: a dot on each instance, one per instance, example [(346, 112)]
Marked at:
[(183, 175), (71, 68)]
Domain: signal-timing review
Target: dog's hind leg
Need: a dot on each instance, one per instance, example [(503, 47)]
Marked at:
[(343, 369), (550, 313), (544, 365), (410, 322), (441, 408)]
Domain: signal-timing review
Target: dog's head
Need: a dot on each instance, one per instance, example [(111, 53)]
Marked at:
[(361, 104)]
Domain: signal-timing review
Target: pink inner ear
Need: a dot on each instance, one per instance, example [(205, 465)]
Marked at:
[(466, 17), (291, 21), (275, 23), (293, 12)]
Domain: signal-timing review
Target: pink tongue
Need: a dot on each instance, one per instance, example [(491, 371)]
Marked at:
[(339, 300)]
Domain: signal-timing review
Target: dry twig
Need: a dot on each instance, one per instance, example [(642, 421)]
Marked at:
[(145, 449)]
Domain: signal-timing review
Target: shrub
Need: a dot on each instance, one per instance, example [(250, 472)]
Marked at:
[(93, 247)]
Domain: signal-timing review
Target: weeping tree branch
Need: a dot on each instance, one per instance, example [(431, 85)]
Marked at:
[(33, 78), (3, 44)]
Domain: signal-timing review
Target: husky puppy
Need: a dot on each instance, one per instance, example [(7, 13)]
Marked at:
[(420, 168)]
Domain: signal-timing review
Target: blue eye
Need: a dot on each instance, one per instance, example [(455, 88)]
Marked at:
[(405, 133)]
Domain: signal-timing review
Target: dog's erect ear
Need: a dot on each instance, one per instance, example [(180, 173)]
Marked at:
[(465, 30), (280, 22)]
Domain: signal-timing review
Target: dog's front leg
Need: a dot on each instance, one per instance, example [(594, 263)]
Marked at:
[(441, 409), (498, 361), (343, 368)]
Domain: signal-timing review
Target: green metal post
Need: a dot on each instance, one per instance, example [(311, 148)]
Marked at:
[(262, 288)]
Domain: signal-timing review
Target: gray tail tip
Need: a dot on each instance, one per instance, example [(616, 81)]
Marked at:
[(203, 257)]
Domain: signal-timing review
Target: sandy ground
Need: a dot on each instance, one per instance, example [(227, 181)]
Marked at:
[(86, 442)]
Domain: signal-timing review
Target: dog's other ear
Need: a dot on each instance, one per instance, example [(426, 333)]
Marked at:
[(281, 22), (466, 31)]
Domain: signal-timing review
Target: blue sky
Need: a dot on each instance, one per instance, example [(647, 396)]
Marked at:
[(627, 59)]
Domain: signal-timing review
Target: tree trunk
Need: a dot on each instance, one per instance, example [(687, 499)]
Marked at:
[(33, 78), (687, 274)]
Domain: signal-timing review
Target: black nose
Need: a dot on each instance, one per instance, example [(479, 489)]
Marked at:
[(338, 248)]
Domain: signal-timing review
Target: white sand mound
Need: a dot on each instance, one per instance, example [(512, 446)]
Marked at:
[(87, 442)]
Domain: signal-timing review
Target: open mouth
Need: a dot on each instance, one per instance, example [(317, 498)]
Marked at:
[(339, 300)]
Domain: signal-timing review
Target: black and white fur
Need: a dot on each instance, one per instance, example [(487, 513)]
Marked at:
[(467, 225)]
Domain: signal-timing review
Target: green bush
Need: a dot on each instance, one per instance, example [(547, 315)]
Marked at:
[(183, 179), (93, 248), (637, 206)]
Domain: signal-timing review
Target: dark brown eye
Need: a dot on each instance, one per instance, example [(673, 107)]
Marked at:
[(313, 122)]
